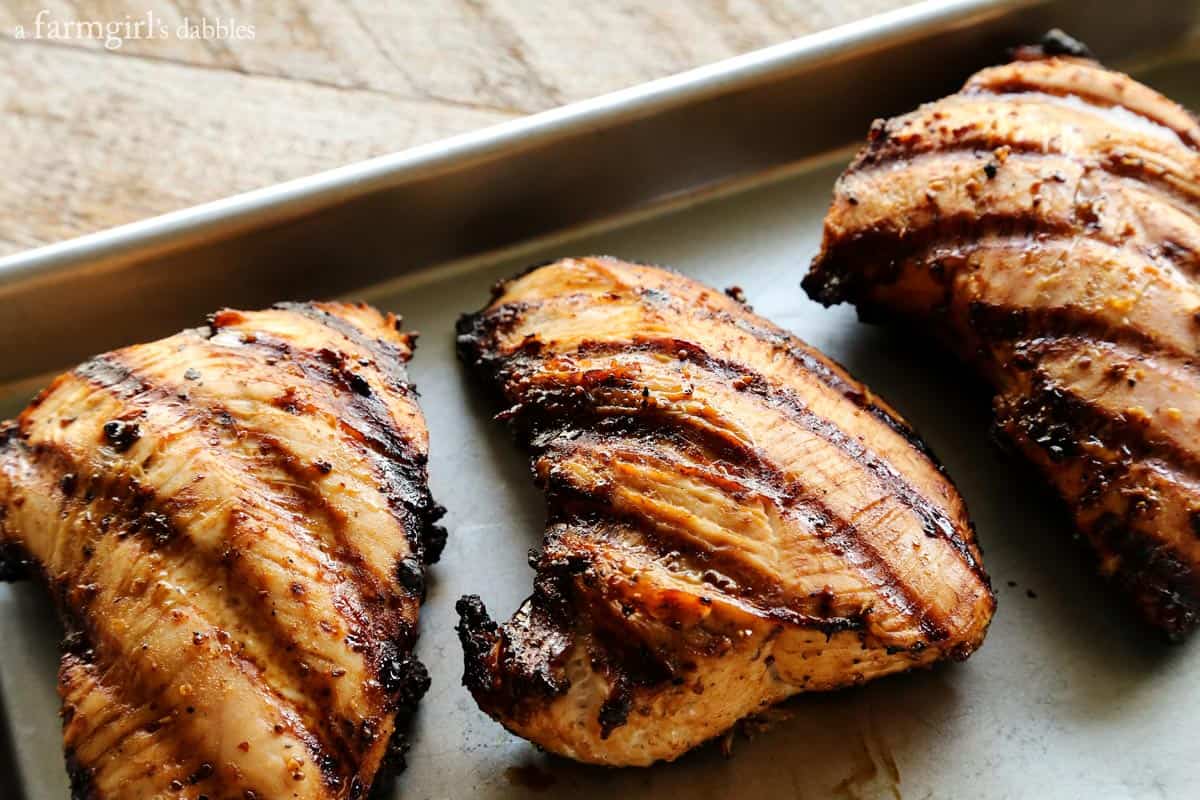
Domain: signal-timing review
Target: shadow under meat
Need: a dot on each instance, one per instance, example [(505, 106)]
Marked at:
[(1024, 528), (844, 743)]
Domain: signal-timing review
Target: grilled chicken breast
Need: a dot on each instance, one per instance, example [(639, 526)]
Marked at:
[(234, 522), (1044, 222), (732, 519)]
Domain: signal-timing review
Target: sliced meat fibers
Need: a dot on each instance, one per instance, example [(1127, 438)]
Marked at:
[(732, 519)]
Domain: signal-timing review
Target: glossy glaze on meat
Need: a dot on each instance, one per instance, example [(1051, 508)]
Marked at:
[(732, 519), (1044, 223), (234, 522)]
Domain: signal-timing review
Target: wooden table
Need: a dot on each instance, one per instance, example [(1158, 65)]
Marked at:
[(95, 136)]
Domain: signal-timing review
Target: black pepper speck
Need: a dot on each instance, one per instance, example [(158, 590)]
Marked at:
[(121, 435)]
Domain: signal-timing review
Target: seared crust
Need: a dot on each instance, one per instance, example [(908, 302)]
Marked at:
[(234, 522), (732, 518), (1044, 223)]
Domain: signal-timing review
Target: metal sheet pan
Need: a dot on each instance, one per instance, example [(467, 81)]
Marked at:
[(1068, 698)]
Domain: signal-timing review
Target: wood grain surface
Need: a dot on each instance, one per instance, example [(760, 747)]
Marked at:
[(154, 118)]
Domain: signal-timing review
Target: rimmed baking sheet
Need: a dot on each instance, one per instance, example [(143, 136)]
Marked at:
[(1068, 698)]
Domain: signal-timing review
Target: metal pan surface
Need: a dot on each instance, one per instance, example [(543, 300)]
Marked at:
[(340, 230), (1068, 698)]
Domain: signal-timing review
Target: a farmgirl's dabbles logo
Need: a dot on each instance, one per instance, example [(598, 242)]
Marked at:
[(113, 33)]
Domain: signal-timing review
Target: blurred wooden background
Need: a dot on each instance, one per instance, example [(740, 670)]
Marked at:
[(96, 136)]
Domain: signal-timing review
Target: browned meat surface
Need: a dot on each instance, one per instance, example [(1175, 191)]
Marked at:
[(732, 519), (234, 522), (1044, 223)]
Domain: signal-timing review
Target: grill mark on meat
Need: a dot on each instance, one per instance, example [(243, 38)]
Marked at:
[(85, 637), (477, 335), (1020, 86), (80, 652), (132, 387), (211, 414), (1050, 402), (1157, 575), (752, 587), (368, 602), (400, 465), (1029, 77), (1001, 210), (820, 367), (854, 269), (934, 520), (387, 357), (964, 269), (80, 776), (1018, 323), (870, 257), (126, 506), (1009, 322), (1152, 567), (576, 408), (128, 383), (377, 611), (1149, 262), (981, 146), (794, 500), (188, 749), (657, 460), (1116, 362), (159, 412), (952, 265), (752, 590), (390, 360)]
